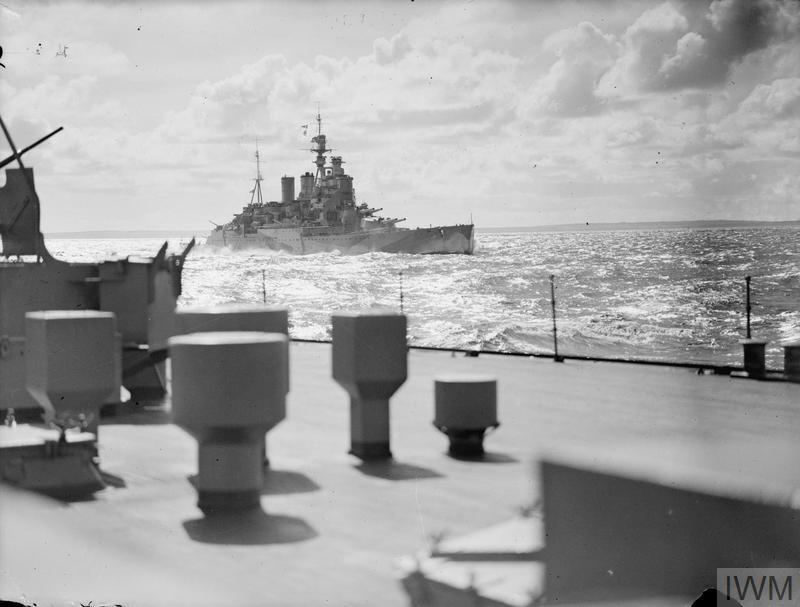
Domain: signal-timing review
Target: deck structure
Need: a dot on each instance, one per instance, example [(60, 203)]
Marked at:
[(333, 530)]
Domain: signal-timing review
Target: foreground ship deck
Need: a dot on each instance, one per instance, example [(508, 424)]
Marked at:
[(331, 529)]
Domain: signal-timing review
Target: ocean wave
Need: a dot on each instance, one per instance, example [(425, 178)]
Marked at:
[(661, 295)]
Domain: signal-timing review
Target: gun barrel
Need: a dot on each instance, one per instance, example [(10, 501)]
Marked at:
[(29, 148)]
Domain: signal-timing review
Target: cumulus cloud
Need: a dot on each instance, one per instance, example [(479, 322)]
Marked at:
[(243, 104), (391, 51), (785, 188), (766, 120), (630, 129), (463, 102), (674, 47), (779, 100), (734, 29), (7, 13), (568, 89), (645, 43), (32, 108), (402, 85), (688, 62)]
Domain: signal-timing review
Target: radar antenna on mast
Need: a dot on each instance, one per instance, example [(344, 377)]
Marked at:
[(320, 150), (256, 191)]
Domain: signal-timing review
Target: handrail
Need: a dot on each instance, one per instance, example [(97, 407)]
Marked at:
[(699, 366)]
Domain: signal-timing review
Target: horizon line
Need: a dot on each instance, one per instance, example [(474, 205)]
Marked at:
[(560, 226)]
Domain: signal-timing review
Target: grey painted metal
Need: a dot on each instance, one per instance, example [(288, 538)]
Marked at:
[(236, 317), (754, 357), (72, 361), (369, 361), (228, 390), (791, 361), (465, 407)]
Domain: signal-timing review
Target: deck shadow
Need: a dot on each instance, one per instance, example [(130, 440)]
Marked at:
[(68, 497), (80, 485), (138, 416), (112, 480), (86, 492), (248, 528), (487, 458), (282, 482), (278, 482), (392, 470)]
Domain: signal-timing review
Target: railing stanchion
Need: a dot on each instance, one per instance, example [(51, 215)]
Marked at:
[(401, 291), (754, 349), (747, 283), (556, 357)]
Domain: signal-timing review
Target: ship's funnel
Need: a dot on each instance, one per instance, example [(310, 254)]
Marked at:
[(287, 189), (306, 185)]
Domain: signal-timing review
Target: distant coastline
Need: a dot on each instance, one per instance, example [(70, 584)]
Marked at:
[(564, 227), (646, 225), (106, 234)]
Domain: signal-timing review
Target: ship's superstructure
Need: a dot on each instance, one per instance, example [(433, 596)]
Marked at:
[(326, 216), (140, 292)]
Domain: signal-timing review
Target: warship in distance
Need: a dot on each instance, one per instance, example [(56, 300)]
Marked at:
[(326, 217)]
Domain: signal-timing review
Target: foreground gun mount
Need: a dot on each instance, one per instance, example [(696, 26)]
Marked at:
[(56, 463), (72, 366), (72, 362), (142, 293)]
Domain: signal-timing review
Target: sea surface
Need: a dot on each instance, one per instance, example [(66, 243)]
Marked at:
[(675, 295)]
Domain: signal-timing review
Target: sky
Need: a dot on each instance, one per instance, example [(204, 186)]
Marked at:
[(515, 113)]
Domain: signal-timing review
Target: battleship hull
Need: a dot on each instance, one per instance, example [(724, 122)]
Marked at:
[(441, 239)]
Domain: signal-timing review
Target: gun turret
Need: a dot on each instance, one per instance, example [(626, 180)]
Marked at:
[(19, 206)]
